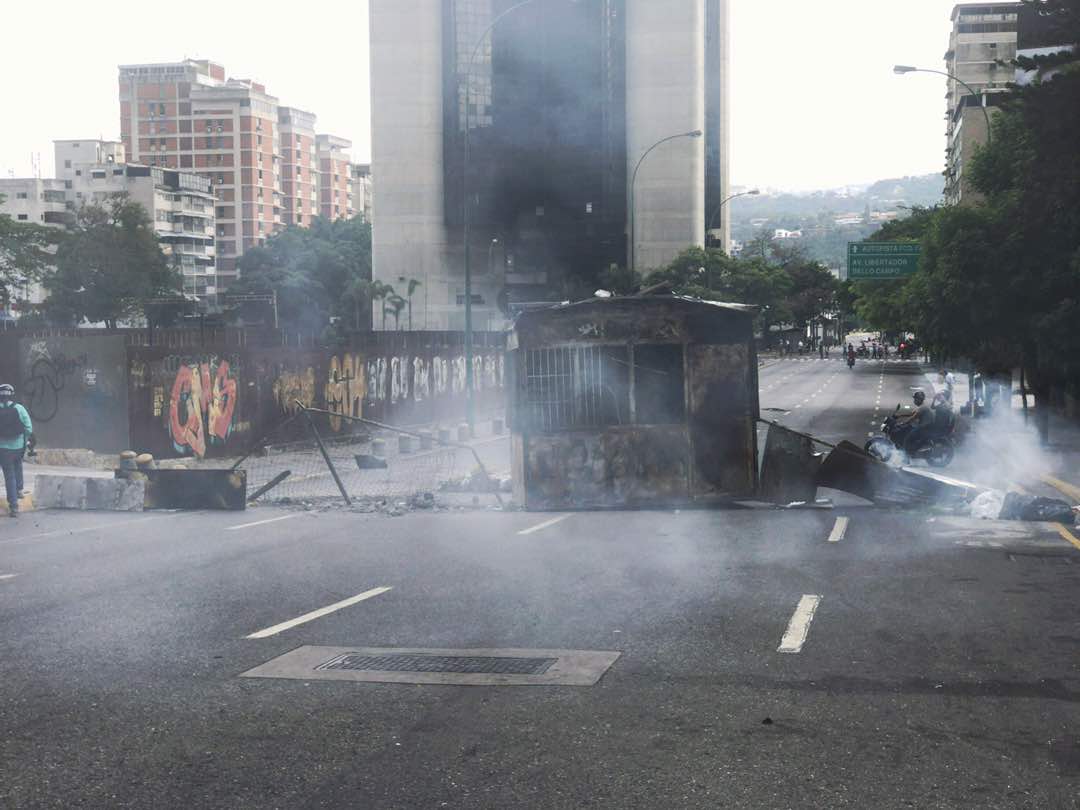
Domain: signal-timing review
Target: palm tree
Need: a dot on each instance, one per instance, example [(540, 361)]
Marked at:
[(413, 284), (396, 304), (381, 292)]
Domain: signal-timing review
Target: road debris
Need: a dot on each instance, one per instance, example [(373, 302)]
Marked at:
[(1017, 506), (851, 469)]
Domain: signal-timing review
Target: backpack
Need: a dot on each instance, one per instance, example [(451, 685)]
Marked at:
[(11, 425)]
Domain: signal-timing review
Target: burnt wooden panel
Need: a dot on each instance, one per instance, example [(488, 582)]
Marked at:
[(612, 468), (722, 388)]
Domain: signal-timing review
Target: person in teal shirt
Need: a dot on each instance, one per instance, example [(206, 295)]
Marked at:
[(15, 426)]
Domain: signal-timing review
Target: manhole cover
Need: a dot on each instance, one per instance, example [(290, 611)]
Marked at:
[(439, 663), (462, 667)]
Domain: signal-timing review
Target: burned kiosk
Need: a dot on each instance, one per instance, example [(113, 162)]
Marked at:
[(633, 402)]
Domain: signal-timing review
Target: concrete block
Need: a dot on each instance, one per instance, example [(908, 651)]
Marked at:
[(77, 492), (444, 435), (405, 444), (378, 447), (115, 494), (425, 439)]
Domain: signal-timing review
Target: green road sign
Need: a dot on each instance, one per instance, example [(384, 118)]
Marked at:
[(882, 259)]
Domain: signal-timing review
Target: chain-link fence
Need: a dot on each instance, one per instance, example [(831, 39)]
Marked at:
[(320, 456)]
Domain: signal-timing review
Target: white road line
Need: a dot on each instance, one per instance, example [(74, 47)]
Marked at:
[(83, 530), (839, 529), (8, 576), (539, 527), (316, 614), (263, 522), (799, 626)]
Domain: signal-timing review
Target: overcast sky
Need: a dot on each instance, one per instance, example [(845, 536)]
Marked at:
[(814, 100)]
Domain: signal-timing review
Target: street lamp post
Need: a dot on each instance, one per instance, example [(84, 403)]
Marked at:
[(470, 396), (900, 70), (697, 133), (716, 211)]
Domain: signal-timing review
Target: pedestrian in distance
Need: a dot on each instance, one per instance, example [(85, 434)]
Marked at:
[(15, 426), (948, 381)]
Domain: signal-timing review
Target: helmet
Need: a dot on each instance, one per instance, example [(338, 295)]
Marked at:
[(7, 390), (919, 397)]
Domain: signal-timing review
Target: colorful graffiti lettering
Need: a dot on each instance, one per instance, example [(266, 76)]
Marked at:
[(345, 388), (292, 386), (200, 408)]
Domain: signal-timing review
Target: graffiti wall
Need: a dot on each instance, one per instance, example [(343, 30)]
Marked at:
[(75, 390), (211, 404)]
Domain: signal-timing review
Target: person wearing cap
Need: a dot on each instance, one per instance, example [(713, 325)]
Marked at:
[(15, 426)]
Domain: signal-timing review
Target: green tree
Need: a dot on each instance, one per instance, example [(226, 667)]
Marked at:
[(109, 266), (26, 250), (319, 273)]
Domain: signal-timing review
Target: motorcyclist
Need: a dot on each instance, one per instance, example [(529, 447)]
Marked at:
[(916, 427), (850, 355)]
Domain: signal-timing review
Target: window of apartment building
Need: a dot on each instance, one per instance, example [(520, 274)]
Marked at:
[(161, 109), (67, 164), (98, 174), (22, 217), (221, 178), (78, 172), (67, 184), (21, 195)]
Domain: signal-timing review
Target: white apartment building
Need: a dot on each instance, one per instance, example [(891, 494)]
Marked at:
[(181, 203), (983, 35), (363, 191), (37, 201)]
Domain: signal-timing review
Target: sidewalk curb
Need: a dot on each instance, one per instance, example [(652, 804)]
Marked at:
[(26, 504)]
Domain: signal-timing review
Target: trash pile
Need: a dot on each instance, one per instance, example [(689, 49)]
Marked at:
[(997, 505)]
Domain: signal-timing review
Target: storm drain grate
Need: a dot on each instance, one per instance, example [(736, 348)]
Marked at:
[(481, 665), (503, 666)]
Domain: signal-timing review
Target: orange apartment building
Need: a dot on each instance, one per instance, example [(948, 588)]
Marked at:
[(335, 177), (299, 167), (263, 159)]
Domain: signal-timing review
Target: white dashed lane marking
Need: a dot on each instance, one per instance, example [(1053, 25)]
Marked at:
[(799, 626), (839, 529), (539, 527), (315, 614)]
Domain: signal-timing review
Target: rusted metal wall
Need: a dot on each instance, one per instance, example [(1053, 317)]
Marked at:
[(75, 390), (704, 447)]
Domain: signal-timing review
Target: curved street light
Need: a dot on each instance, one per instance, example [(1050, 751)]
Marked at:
[(697, 133), (716, 211), (901, 70)]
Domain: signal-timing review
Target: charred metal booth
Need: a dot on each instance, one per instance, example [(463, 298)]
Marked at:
[(633, 402)]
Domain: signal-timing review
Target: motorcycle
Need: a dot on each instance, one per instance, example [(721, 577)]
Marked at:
[(938, 449), (851, 361)]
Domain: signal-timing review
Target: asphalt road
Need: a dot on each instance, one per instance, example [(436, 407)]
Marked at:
[(938, 667)]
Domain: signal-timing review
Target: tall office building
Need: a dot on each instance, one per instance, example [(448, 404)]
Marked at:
[(560, 104), (982, 42)]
